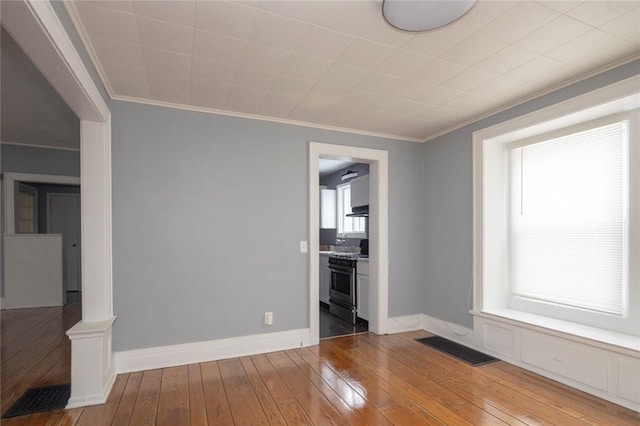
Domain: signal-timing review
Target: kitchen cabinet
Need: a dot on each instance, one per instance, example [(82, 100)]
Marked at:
[(325, 278), (360, 191), (328, 219), (363, 289)]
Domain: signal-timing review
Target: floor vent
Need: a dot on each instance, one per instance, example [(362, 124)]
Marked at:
[(463, 353), (36, 400)]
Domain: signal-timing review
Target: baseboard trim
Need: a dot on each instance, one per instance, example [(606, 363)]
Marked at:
[(454, 332), (93, 399), (212, 350), (405, 323)]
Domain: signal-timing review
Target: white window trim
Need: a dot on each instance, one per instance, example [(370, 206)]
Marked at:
[(340, 218), (488, 207)]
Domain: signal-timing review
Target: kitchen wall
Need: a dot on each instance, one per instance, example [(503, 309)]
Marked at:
[(208, 212), (43, 191), (448, 202), (328, 236)]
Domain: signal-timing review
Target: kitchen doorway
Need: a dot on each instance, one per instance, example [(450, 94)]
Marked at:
[(378, 230)]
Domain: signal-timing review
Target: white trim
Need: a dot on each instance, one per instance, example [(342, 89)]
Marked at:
[(215, 111), (405, 323), (378, 231), (93, 370), (9, 195), (191, 353), (454, 332), (28, 145)]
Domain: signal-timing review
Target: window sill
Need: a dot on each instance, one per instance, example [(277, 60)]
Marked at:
[(611, 340)]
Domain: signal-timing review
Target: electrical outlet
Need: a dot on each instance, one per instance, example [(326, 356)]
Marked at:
[(268, 318), (304, 248)]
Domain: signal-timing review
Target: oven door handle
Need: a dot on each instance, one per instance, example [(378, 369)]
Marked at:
[(341, 268)]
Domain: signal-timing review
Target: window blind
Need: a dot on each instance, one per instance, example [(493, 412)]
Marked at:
[(567, 240)]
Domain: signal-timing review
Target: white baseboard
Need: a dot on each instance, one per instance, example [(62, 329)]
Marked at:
[(86, 400), (190, 353), (405, 323), (454, 332)]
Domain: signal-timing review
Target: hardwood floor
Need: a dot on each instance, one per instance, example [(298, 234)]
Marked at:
[(34, 350), (355, 380)]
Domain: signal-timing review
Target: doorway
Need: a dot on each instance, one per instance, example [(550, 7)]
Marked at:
[(378, 230), (63, 217)]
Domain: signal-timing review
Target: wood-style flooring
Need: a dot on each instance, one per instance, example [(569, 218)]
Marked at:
[(356, 380)]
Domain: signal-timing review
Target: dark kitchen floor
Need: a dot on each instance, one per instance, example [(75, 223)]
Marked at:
[(331, 326)]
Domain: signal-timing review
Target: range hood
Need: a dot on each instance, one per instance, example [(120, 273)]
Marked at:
[(360, 211)]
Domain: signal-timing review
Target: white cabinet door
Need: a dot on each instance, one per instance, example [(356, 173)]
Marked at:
[(363, 296), (360, 191), (325, 279)]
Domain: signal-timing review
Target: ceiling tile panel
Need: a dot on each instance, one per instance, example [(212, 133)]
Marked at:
[(437, 72), (472, 50), (523, 18), (180, 12), (323, 43), (162, 35), (168, 81), (403, 63), (223, 72), (438, 96), (596, 13), (482, 13), (325, 92), (435, 43), (118, 52), (215, 92), (163, 60), (560, 5), (580, 50), (218, 47), (224, 17), (626, 26), (279, 105), (467, 79), (120, 5), (377, 82), (264, 58), (504, 60), (275, 31), (254, 78), (409, 89), (344, 75), (108, 23), (292, 86), (303, 66), (553, 34), (366, 54)]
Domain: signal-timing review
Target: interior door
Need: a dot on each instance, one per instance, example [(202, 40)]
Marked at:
[(63, 214)]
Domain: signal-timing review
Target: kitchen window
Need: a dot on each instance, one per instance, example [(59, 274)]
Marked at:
[(351, 226), (557, 218)]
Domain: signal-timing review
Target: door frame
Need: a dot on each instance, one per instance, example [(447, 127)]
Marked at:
[(378, 230), (37, 29)]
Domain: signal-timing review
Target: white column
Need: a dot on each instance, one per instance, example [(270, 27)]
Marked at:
[(92, 369)]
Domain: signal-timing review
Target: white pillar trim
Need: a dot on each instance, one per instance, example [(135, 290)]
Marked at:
[(36, 28)]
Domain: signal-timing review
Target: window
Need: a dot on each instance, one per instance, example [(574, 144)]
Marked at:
[(557, 216), (352, 226), (567, 220), (27, 210)]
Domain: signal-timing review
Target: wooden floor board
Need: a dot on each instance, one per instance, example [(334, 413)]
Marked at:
[(355, 380)]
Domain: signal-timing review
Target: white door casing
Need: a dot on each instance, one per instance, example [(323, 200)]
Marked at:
[(378, 231)]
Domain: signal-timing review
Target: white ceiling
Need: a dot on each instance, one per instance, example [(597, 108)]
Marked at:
[(339, 64), (32, 112), (326, 166)]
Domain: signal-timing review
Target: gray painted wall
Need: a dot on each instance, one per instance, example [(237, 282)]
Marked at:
[(448, 202), (208, 212), (43, 161)]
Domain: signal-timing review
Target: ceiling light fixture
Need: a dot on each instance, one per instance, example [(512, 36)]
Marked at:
[(424, 15)]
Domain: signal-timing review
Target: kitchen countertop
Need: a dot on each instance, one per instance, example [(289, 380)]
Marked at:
[(329, 253)]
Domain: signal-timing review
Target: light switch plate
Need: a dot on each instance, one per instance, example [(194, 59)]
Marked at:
[(304, 248)]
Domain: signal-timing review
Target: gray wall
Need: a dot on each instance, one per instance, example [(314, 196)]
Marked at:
[(43, 191), (43, 161), (448, 200), (207, 215)]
